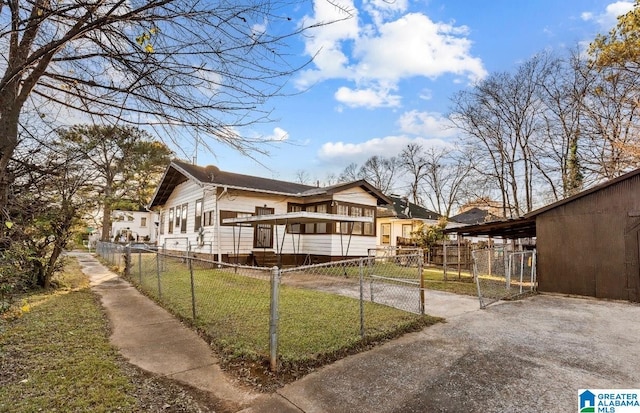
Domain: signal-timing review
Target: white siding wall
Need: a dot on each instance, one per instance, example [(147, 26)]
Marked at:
[(356, 196), (188, 192)]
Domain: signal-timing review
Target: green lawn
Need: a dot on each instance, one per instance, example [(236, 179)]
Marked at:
[(233, 309), (57, 356)]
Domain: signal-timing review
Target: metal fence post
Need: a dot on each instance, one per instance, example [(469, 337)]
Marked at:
[(420, 257), (361, 265), (444, 259), (140, 266), (273, 318), (193, 290), (127, 261), (158, 271)]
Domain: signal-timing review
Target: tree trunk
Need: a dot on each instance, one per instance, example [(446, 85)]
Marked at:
[(106, 221), (8, 143)]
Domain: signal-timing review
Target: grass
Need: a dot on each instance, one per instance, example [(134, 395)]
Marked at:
[(56, 355), (234, 310)]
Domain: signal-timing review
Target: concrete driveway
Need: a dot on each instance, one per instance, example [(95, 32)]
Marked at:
[(519, 356)]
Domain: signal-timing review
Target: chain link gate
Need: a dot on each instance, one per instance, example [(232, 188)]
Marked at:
[(501, 274)]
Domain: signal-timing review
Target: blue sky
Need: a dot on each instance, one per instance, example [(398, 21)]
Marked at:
[(385, 78)]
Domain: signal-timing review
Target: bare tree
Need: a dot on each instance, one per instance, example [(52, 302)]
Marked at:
[(302, 176), (380, 172), (558, 151), (350, 173), (206, 66), (445, 173), (413, 162), (502, 116)]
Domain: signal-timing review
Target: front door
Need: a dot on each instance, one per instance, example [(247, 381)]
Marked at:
[(632, 258), (263, 235)]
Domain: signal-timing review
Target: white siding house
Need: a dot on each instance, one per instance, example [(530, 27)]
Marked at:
[(399, 219), (196, 204), (133, 226)]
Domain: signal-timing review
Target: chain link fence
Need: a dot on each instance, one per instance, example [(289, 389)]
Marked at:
[(502, 274), (112, 253), (285, 315)]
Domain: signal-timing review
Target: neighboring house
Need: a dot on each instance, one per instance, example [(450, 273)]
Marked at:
[(473, 216), (137, 226), (197, 207), (398, 220)]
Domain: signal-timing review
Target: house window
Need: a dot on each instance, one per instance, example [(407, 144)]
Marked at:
[(198, 222), (357, 226), (310, 228), (342, 227), (130, 218), (209, 218), (234, 214), (407, 229), (295, 228), (183, 226), (178, 220), (143, 221), (385, 231), (368, 226), (321, 227), (171, 216), (162, 216)]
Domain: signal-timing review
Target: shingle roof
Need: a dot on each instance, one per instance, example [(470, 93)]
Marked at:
[(180, 171), (402, 208), (474, 216), (212, 174)]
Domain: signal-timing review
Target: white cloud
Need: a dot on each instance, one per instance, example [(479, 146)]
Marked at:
[(278, 135), (608, 19), (369, 98), (416, 46), (377, 56), (430, 124), (342, 154)]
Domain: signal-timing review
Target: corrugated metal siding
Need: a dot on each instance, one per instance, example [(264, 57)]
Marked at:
[(584, 248)]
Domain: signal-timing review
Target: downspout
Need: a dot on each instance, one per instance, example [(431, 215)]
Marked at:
[(218, 224)]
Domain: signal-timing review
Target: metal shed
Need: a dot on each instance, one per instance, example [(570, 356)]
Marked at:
[(588, 244)]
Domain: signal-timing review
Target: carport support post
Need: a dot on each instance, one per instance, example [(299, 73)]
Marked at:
[(273, 319)]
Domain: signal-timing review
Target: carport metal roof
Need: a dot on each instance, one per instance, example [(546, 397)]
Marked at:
[(513, 229), (301, 217)]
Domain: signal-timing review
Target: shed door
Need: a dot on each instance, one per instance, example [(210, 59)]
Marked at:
[(632, 258)]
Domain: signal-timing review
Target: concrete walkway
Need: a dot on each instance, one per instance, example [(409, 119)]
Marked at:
[(154, 340)]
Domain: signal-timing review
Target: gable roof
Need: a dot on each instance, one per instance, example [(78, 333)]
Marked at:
[(474, 216), (180, 171), (401, 208), (584, 193)]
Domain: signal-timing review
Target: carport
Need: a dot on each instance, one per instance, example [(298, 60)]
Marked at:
[(295, 218)]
